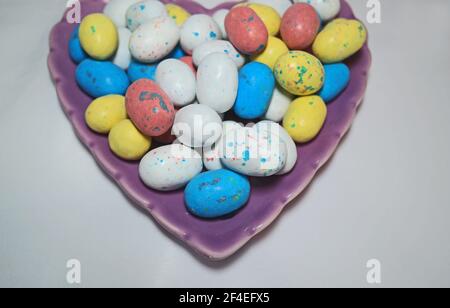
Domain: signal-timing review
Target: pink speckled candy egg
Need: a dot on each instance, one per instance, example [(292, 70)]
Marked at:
[(246, 30), (299, 26), (149, 108)]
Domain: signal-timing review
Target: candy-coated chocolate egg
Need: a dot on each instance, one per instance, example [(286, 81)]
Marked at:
[(279, 104), (100, 78), (305, 118), (256, 86), (105, 112), (215, 194), (340, 39), (76, 52), (254, 152), (300, 26), (197, 30), (274, 50), (149, 107), (170, 167), (177, 80), (144, 11), (219, 18), (217, 82), (337, 77), (291, 148), (154, 40), (190, 62), (280, 6), (178, 14), (327, 9), (268, 15), (117, 11), (197, 126), (127, 142), (98, 36), (138, 70), (122, 57), (205, 49), (246, 30), (299, 73)]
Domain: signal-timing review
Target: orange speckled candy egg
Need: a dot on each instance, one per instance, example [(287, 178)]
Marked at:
[(246, 30), (149, 108), (299, 26)]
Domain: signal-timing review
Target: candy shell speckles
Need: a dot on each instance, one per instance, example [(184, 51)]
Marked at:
[(197, 30), (149, 107)]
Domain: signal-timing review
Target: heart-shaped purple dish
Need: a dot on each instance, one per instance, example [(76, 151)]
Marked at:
[(216, 239)]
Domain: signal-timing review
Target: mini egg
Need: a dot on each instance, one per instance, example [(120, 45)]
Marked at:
[(281, 6), (154, 40), (197, 126), (254, 152), (279, 104), (76, 52), (256, 86), (340, 39), (117, 10), (144, 11), (268, 15), (177, 80), (274, 50), (215, 194), (105, 112), (327, 9), (127, 142), (138, 70), (178, 14), (100, 78), (217, 82), (300, 26), (98, 36), (219, 18), (337, 77), (220, 46), (299, 73), (122, 57), (246, 31), (197, 30), (305, 118), (170, 167), (149, 107)]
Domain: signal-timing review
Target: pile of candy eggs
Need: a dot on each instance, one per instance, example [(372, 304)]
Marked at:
[(165, 83)]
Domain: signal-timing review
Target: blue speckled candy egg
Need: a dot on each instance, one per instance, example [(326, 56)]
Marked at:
[(100, 78), (76, 52), (214, 194), (256, 86), (337, 77), (138, 70)]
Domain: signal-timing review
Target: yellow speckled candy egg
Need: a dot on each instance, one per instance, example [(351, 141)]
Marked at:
[(178, 14), (98, 36), (127, 142), (299, 73), (340, 39), (105, 112), (268, 15), (274, 50), (305, 118)]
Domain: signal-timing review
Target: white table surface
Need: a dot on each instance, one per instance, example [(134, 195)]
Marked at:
[(385, 194)]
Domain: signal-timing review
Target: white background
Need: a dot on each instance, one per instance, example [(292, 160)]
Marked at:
[(384, 195)]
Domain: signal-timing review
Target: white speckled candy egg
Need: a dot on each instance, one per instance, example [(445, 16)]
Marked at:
[(123, 56), (254, 152), (219, 18), (197, 30), (170, 167), (178, 81), (327, 9), (207, 48), (197, 126), (154, 40), (279, 104), (213, 154), (280, 6), (217, 82), (291, 148), (117, 11), (144, 11)]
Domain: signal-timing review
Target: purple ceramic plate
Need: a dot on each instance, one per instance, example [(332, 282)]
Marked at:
[(216, 239)]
